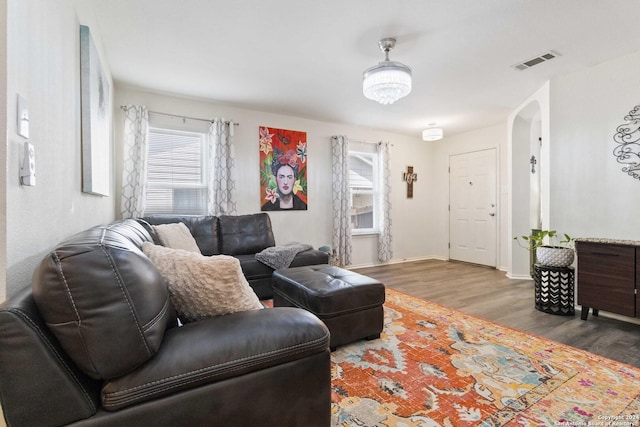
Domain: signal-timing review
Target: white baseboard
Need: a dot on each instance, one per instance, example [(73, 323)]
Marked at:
[(518, 277), (397, 261)]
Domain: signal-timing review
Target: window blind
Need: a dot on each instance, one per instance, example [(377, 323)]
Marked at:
[(176, 172), (363, 185)]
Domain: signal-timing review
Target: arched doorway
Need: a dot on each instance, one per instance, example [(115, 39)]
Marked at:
[(529, 179)]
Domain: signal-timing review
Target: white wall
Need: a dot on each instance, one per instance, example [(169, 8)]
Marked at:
[(490, 137), (43, 66), (535, 182), (590, 195), (411, 226), (585, 193), (3, 152), (528, 122)]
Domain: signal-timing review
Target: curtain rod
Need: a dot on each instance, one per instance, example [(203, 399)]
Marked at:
[(124, 107), (365, 141)]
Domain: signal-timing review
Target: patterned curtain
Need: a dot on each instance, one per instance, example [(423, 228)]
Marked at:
[(385, 239), (134, 170), (221, 198), (341, 200)]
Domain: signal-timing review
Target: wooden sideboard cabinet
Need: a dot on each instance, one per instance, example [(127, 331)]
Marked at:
[(607, 274)]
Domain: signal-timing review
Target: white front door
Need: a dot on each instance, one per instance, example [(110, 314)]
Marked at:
[(473, 207)]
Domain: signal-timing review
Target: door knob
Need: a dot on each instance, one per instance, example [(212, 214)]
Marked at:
[(492, 214)]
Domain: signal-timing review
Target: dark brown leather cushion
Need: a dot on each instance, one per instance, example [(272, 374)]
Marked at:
[(36, 373), (328, 291), (245, 234), (213, 350), (204, 229), (103, 299)]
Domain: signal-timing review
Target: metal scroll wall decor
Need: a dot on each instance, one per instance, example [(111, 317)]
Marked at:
[(627, 137)]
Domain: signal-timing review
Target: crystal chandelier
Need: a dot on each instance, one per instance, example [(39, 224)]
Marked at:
[(388, 81)]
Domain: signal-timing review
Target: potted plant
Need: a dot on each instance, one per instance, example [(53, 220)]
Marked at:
[(550, 249)]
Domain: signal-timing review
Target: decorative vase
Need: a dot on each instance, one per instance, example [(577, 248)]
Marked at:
[(554, 256)]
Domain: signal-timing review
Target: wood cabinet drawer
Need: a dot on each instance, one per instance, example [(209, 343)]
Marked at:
[(607, 277), (609, 261), (637, 292), (605, 251), (615, 296)]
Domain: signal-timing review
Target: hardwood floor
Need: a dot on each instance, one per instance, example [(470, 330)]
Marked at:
[(488, 293)]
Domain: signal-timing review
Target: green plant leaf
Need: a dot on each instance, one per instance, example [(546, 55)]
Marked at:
[(265, 170)]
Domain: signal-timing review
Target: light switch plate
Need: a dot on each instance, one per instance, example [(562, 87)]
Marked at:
[(23, 117)]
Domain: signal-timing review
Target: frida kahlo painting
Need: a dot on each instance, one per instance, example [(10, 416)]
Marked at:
[(283, 169)]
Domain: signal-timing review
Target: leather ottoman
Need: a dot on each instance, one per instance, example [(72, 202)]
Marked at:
[(350, 304)]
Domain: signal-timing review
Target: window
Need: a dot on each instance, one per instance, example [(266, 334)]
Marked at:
[(363, 182), (176, 172)]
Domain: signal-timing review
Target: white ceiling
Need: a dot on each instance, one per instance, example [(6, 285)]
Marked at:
[(306, 58)]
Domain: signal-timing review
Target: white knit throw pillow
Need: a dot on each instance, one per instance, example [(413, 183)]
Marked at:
[(202, 286), (176, 236)]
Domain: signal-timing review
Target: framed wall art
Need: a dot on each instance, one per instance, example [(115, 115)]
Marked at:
[(283, 169), (95, 110)]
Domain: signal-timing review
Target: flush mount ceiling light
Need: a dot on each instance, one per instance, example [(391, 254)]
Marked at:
[(432, 133), (388, 81)]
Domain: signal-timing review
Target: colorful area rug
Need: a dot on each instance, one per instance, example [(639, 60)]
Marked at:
[(435, 366)]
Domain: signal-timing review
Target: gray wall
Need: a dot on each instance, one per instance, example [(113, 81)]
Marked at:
[(43, 66)]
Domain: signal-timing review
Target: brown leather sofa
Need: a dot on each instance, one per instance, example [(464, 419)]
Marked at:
[(241, 236), (95, 342)]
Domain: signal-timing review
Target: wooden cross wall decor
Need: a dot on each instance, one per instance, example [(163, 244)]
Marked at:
[(410, 178)]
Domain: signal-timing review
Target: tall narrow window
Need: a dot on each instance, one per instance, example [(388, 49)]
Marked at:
[(176, 172), (363, 182)]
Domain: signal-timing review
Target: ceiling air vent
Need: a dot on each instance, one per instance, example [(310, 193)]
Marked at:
[(537, 60)]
